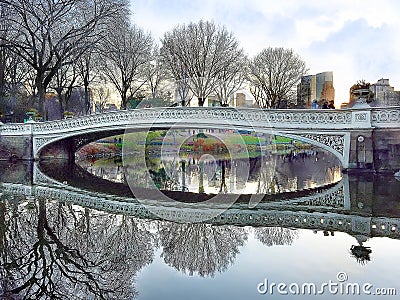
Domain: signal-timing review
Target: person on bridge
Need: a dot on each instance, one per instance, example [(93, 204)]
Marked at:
[(331, 105), (314, 104)]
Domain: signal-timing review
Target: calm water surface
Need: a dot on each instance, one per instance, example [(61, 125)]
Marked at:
[(271, 173), (74, 232)]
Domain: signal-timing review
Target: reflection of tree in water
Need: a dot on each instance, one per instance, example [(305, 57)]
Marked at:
[(39, 266), (128, 248), (200, 248), (271, 236), (273, 173), (361, 254), (57, 251)]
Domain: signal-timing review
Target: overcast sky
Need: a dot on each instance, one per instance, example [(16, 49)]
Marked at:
[(354, 39)]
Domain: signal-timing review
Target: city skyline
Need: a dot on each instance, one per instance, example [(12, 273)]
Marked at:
[(354, 40)]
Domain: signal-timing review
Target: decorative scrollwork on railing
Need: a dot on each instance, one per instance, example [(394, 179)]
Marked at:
[(385, 117), (16, 189), (308, 117), (17, 129), (295, 219), (281, 119), (383, 226), (332, 199), (39, 142), (333, 141), (265, 118), (351, 223)]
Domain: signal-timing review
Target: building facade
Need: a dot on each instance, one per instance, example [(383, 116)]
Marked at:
[(315, 87), (384, 94)]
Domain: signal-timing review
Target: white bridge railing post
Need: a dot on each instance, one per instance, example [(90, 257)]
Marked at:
[(361, 118)]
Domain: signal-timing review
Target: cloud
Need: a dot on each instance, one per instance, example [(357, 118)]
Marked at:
[(354, 39), (357, 51)]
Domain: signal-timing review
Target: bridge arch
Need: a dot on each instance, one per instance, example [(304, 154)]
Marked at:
[(334, 143), (347, 133), (330, 143), (243, 119), (72, 142)]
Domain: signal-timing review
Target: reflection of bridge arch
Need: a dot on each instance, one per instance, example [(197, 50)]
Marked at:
[(332, 130), (303, 212)]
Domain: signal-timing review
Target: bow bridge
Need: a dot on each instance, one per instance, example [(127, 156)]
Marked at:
[(362, 138)]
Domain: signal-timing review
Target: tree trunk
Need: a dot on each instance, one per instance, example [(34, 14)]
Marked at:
[(2, 76), (123, 102), (62, 109), (3, 228), (41, 97), (87, 98), (124, 99), (201, 177), (201, 101), (223, 179)]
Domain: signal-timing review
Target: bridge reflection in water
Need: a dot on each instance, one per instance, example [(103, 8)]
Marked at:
[(330, 208), (59, 240)]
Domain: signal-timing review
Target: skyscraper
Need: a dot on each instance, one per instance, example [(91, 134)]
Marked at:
[(315, 87)]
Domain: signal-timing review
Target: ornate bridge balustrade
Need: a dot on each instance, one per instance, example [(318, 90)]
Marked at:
[(285, 215), (348, 134)]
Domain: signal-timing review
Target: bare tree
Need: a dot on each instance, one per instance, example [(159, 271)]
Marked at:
[(231, 78), (184, 91), (199, 53), (103, 95), (271, 236), (87, 67), (4, 25), (57, 252), (200, 248), (90, 63), (126, 51), (274, 74), (48, 34), (15, 90), (14, 71), (185, 96), (155, 73), (64, 82), (50, 263)]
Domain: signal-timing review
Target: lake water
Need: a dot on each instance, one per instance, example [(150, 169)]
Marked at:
[(77, 232)]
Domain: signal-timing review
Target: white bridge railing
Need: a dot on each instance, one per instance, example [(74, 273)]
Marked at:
[(384, 117)]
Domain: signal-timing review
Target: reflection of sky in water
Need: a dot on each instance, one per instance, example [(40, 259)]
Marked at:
[(233, 259), (311, 258)]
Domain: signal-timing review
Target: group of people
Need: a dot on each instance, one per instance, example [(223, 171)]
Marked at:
[(325, 105)]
